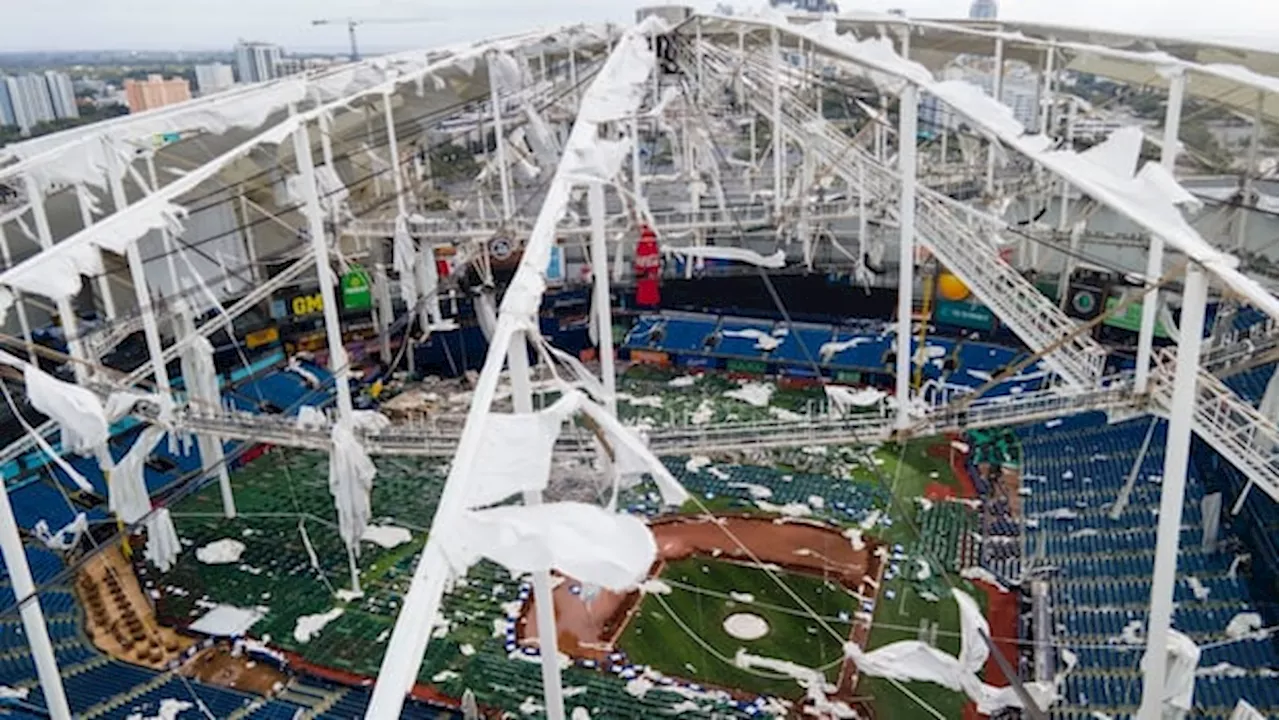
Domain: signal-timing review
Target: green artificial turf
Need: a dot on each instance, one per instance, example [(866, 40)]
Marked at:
[(908, 471), (898, 618), (655, 636)]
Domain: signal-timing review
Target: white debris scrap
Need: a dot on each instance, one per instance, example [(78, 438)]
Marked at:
[(221, 552), (169, 710), (386, 536), (754, 394), (308, 626)]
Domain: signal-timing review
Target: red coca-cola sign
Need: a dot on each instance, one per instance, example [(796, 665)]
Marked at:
[(648, 267)]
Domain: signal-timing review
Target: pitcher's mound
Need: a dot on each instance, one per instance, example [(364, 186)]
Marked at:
[(746, 626)]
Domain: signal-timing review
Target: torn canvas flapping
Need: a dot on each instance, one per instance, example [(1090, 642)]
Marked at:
[(351, 474), (515, 453), (586, 542), (163, 545), (909, 660), (67, 537), (775, 261), (76, 410)]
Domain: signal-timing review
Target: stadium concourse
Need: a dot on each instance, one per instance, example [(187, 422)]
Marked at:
[(1025, 466)]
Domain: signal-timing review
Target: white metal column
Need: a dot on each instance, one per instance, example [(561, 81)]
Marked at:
[(907, 110), (382, 287), (543, 602), (504, 173), (412, 630), (37, 632), (320, 250), (66, 315), (775, 121), (1155, 256), (603, 303), (150, 330), (102, 281), (997, 89), (338, 363), (1172, 491), (18, 300)]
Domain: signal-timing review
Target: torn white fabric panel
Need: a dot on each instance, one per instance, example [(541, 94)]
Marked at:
[(843, 399), (584, 377), (295, 366), (910, 660), (1146, 201), (613, 95), (732, 254), (1180, 671), (624, 441), (76, 410), (351, 474), (515, 453), (163, 545), (312, 418), (127, 493), (200, 375), (764, 341), (427, 277), (124, 402), (67, 536), (1245, 711), (583, 541), (403, 260), (370, 421)]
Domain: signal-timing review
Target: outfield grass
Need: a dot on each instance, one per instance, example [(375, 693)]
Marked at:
[(698, 599), (908, 479), (899, 617)]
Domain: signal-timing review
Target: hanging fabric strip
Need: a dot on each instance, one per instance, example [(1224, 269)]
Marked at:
[(732, 254)]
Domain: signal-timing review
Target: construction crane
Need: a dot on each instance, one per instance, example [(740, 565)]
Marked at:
[(351, 24)]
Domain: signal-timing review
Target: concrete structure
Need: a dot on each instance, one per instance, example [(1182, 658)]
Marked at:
[(213, 77), (295, 65), (61, 94), (155, 92), (256, 61)]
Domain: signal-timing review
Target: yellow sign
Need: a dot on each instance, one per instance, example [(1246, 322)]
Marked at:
[(308, 304), (265, 336)]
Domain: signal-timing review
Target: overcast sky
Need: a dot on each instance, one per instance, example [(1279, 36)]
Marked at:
[(213, 24)]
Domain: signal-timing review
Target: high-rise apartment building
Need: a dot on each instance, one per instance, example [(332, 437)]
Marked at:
[(27, 101), (984, 10), (61, 94), (213, 78), (155, 92), (7, 116), (256, 61)]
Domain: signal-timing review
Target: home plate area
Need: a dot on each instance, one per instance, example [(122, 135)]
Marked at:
[(726, 589)]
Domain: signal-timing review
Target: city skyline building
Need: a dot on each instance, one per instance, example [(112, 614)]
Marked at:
[(256, 61), (155, 92), (30, 98), (62, 94), (984, 10), (7, 116), (213, 77)]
